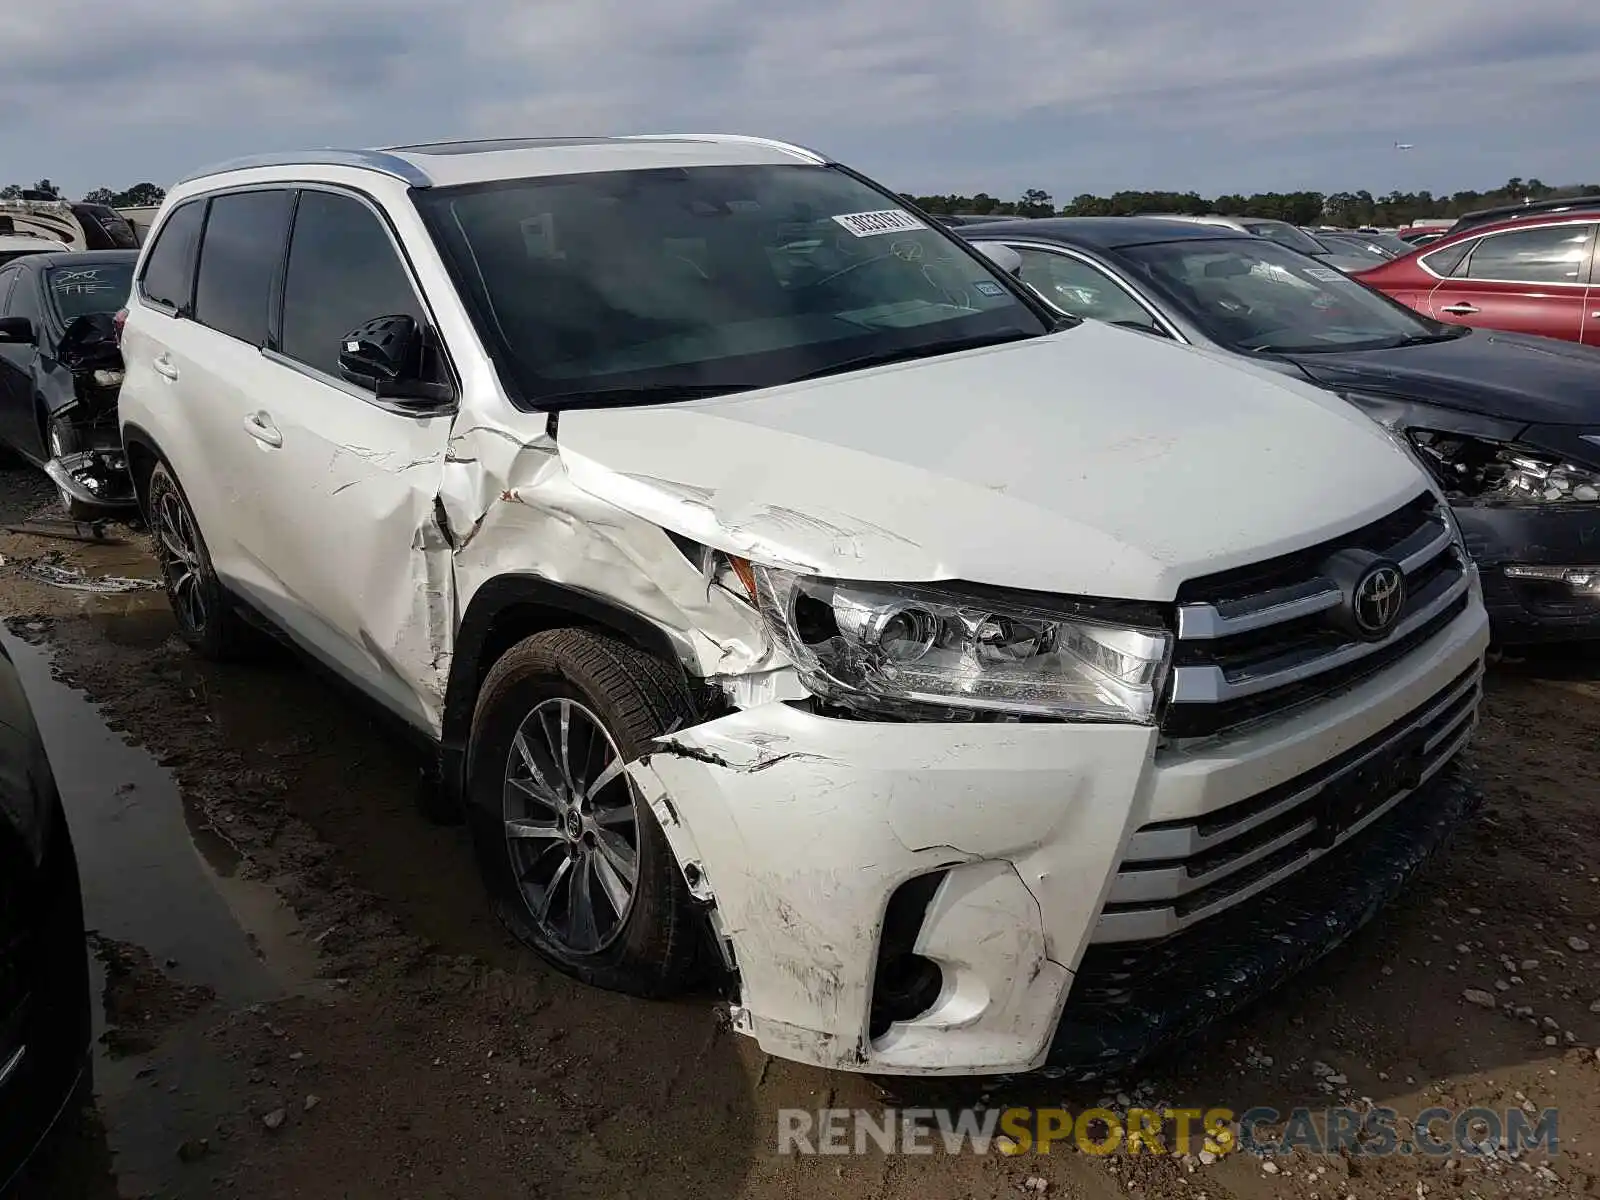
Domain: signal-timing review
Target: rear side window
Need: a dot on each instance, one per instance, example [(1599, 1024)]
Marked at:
[(1554, 254), (168, 277), (1444, 261), (239, 258), (343, 272)]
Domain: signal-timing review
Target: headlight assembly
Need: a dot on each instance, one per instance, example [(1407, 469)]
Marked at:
[(887, 646), (1474, 470)]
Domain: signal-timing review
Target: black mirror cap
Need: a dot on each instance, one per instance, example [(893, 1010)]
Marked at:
[(18, 331), (384, 351), (386, 356)]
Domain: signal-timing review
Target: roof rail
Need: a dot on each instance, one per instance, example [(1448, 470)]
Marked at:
[(366, 160), (742, 138), (1508, 212)]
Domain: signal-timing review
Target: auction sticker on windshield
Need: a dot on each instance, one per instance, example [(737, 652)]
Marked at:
[(869, 224), (1326, 274)]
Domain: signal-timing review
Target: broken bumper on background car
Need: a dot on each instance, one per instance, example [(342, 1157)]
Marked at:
[(1540, 568), (926, 898)]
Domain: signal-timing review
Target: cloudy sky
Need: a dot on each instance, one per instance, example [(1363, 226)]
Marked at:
[(945, 95)]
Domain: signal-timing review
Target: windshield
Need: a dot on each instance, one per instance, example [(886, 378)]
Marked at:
[(1254, 295), (1285, 235), (96, 288), (632, 286)]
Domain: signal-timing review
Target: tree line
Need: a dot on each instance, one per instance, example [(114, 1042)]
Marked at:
[(1302, 208), (1347, 209), (138, 196)]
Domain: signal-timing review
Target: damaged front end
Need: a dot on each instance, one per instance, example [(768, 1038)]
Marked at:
[(79, 389)]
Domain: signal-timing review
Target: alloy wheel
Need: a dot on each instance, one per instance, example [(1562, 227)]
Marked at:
[(178, 550), (571, 825)]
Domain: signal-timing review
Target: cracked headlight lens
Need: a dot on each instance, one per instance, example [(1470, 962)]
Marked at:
[(882, 646), (1474, 470)]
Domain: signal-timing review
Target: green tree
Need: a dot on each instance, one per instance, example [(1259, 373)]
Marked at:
[(1036, 203), (100, 196)]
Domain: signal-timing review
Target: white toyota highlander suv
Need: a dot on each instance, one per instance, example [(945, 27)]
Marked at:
[(791, 598)]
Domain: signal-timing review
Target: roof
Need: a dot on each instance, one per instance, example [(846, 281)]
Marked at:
[(1554, 207), (442, 164), (1107, 233), (11, 242), (91, 258)]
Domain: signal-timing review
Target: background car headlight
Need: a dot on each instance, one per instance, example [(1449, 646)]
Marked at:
[(1474, 470), (882, 646)]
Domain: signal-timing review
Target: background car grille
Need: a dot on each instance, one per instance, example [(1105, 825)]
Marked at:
[(1257, 641), (1177, 873)]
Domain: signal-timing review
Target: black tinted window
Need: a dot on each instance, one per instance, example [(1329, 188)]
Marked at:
[(169, 271), (343, 272), (8, 277), (24, 299), (1554, 254), (239, 258)]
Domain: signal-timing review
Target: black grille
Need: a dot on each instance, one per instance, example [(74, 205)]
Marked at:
[(1202, 720), (1289, 569), (1281, 644)]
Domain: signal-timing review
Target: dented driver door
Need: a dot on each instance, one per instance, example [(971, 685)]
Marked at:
[(348, 482)]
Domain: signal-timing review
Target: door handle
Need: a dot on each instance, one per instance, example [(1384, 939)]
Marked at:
[(164, 367), (1461, 310), (259, 426)]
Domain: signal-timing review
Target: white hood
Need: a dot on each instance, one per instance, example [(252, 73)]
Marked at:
[(1096, 461)]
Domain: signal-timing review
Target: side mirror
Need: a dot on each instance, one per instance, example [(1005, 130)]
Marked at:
[(17, 331), (1002, 256), (386, 356)]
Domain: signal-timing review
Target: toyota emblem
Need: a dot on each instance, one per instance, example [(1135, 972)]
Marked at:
[(1378, 599)]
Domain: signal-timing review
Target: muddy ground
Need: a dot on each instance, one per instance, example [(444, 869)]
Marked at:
[(303, 993)]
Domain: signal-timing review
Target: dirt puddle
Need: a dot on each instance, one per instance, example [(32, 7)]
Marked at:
[(174, 932)]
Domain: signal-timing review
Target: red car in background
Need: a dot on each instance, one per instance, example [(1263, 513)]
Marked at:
[(1528, 269)]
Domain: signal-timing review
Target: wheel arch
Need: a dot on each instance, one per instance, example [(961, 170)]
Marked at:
[(142, 454), (503, 611)]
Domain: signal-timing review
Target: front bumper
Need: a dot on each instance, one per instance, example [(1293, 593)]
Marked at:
[(802, 829), (1530, 610)]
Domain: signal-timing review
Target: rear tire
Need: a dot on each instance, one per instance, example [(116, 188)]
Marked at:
[(205, 615), (60, 440), (555, 837)]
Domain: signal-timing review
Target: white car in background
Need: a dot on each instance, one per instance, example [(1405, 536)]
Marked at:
[(789, 596), (14, 246)]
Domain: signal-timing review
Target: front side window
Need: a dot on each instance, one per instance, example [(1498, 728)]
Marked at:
[(633, 286), (83, 291), (168, 277), (1554, 254), (343, 272), (1080, 290), (239, 257), (1253, 295)]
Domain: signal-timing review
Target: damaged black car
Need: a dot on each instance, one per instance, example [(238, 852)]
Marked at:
[(1507, 424), (60, 370)]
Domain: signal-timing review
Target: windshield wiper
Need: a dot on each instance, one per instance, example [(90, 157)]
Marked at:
[(879, 358), (1427, 339)]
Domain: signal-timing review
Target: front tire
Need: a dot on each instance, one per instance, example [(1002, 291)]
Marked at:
[(206, 618), (575, 864)]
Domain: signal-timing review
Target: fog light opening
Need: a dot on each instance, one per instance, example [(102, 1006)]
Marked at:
[(906, 984)]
